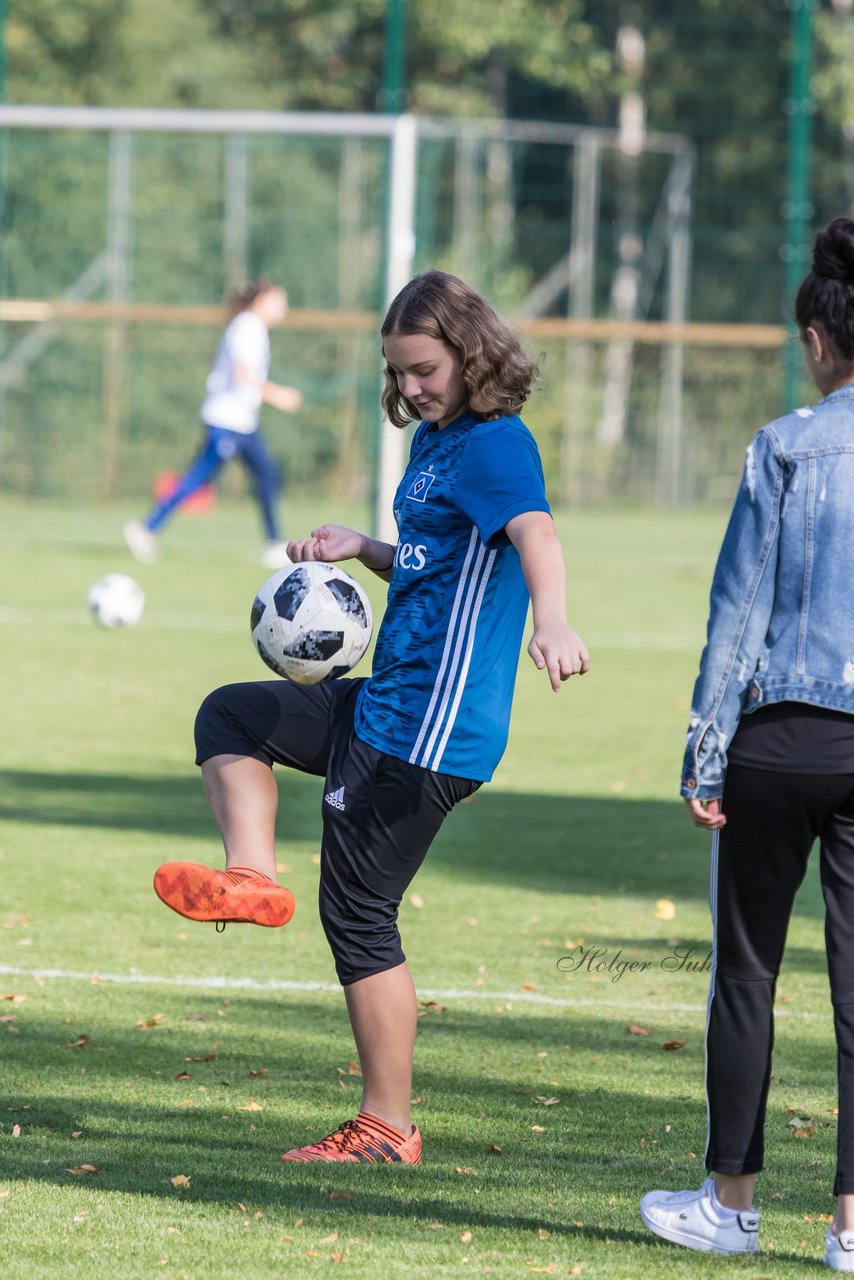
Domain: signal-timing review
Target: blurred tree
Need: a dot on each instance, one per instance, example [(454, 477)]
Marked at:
[(155, 53), (298, 54)]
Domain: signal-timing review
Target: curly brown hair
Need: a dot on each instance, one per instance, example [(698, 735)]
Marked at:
[(497, 373)]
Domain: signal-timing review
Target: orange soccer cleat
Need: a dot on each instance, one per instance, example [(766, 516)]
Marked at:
[(240, 895), (367, 1139)]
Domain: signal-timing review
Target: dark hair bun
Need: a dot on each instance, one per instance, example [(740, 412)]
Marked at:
[(833, 254)]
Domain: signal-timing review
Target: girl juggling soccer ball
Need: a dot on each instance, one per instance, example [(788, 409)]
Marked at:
[(769, 767), (398, 750)]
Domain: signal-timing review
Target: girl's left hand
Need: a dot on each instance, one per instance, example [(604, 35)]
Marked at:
[(706, 814), (560, 651)]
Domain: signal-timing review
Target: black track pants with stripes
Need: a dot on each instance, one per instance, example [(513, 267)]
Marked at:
[(758, 862)]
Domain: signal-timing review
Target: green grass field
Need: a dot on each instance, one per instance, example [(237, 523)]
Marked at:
[(156, 1050)]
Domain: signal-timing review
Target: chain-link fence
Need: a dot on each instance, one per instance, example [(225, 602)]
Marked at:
[(123, 231)]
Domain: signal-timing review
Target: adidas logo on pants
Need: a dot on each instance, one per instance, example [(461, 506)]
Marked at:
[(336, 799)]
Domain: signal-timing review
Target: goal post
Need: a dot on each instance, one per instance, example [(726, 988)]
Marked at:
[(344, 208)]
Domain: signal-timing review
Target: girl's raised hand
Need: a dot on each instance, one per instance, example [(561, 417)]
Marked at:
[(329, 542)]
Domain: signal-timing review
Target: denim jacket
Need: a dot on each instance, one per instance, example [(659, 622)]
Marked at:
[(781, 626)]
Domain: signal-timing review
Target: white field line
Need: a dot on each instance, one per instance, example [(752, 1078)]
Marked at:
[(169, 621), (10, 614), (216, 983)]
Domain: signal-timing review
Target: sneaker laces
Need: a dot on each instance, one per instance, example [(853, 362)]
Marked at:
[(345, 1136)]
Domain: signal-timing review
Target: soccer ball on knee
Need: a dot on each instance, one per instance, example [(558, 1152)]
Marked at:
[(311, 622)]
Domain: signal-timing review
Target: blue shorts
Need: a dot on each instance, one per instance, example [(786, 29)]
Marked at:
[(380, 814)]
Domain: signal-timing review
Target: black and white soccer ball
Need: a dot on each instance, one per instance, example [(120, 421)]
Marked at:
[(311, 622), (116, 601)]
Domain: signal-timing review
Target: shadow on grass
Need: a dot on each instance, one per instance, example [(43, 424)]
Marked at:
[(479, 1077), (579, 844)]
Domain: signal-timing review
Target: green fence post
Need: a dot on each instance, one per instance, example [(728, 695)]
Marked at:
[(797, 210), (394, 64)]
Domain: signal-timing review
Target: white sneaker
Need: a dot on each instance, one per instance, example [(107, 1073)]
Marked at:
[(141, 541), (839, 1251), (275, 555), (689, 1218)]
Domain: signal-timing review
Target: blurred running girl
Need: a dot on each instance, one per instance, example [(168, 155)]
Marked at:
[(236, 388)]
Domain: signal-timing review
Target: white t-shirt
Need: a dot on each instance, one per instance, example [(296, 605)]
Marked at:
[(230, 402)]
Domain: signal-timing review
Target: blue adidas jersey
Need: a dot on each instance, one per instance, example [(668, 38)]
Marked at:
[(447, 652)]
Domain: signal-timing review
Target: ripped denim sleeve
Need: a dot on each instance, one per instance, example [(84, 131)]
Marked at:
[(742, 599)]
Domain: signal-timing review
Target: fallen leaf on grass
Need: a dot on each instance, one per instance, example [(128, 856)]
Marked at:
[(542, 1233), (537, 1128), (543, 1101), (8, 1017), (416, 900), (180, 1180), (183, 1075), (353, 1069), (665, 909), (802, 1133), (340, 1195), (435, 1226), (16, 1131), (259, 1071), (209, 1057), (188, 1102), (153, 1021), (634, 1030), (529, 986), (15, 999), (80, 1170), (462, 1168), (430, 1006), (493, 1149), (672, 1045), (4, 1192), (550, 1270), (465, 1236), (251, 1105), (80, 1043), (80, 1217), (330, 1239), (77, 1133)]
